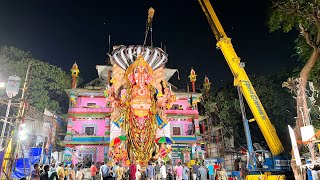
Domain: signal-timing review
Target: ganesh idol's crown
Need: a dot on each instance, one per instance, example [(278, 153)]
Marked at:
[(124, 56)]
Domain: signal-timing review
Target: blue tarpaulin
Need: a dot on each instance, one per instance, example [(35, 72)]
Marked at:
[(21, 169), (35, 154), (22, 165), (1, 158)]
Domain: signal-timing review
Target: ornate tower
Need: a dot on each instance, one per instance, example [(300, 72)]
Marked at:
[(74, 73), (193, 78), (206, 84)]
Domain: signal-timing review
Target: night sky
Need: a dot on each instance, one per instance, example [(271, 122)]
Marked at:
[(61, 32)]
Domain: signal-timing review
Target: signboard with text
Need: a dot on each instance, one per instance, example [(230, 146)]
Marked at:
[(181, 153)]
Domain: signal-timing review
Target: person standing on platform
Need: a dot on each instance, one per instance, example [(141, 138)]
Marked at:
[(163, 171), (202, 173), (132, 170), (222, 174), (195, 169), (170, 173), (79, 173), (211, 171), (72, 173), (114, 168), (35, 173), (150, 172), (66, 172), (138, 172), (186, 172), (45, 174), (119, 172), (104, 171), (93, 171), (178, 171), (60, 171), (157, 168)]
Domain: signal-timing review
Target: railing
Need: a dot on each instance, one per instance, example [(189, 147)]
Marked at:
[(184, 138), (187, 112), (90, 110), (87, 139)]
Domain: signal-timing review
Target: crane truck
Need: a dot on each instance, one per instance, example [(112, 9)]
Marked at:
[(261, 164)]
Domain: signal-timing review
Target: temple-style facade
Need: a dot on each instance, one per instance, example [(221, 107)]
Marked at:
[(90, 129)]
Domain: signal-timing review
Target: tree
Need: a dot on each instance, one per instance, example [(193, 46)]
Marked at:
[(224, 103), (277, 102), (47, 82), (304, 16)]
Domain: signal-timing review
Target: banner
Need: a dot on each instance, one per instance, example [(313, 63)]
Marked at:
[(13, 86), (47, 154), (294, 146), (181, 153)]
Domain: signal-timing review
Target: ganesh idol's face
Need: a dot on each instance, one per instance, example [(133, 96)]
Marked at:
[(140, 76)]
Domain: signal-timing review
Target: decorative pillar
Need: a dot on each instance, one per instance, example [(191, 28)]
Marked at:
[(206, 84), (107, 126), (193, 78), (70, 130), (73, 99), (74, 73), (196, 125)]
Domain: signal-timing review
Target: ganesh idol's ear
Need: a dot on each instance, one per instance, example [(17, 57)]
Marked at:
[(149, 79), (131, 78)]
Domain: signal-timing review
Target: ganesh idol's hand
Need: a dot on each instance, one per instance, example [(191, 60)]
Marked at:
[(161, 102), (166, 91)]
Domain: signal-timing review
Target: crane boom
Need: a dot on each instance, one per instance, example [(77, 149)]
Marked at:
[(241, 79)]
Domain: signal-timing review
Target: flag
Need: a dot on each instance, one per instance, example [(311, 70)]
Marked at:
[(12, 88)]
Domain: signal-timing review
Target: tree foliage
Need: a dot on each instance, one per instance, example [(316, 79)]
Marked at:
[(278, 103), (47, 83), (304, 17)]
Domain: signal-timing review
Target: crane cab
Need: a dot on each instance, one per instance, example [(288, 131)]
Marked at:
[(263, 161), (260, 160)]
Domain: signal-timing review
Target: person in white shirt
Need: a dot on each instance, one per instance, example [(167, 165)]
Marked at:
[(79, 173), (138, 172), (163, 171)]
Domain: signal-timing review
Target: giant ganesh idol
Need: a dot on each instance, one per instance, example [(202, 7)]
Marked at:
[(139, 97)]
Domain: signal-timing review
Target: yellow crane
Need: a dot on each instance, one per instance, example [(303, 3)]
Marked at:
[(242, 82)]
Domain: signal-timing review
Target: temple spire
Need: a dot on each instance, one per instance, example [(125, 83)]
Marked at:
[(193, 78), (74, 74), (206, 84)]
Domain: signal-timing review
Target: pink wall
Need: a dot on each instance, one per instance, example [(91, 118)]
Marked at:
[(100, 130), (184, 125), (82, 101), (100, 153)]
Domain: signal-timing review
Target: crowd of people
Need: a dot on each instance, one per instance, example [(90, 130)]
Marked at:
[(59, 172), (157, 170)]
